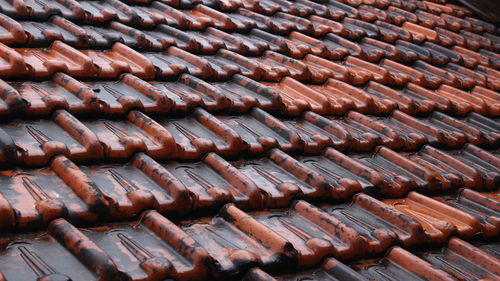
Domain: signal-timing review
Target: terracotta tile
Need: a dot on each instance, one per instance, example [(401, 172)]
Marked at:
[(135, 38), (389, 50), (472, 58), (31, 8), (377, 11), (398, 264), (420, 53), (128, 93), (188, 108), (339, 7), (388, 29), (277, 66), (95, 264), (294, 8), (476, 167), (403, 72), (479, 205), (331, 269), (406, 16), (39, 140), (294, 90), (209, 184), (320, 9), (315, 140), (402, 173), (257, 274), (333, 25), (335, 166), (405, 103), (439, 220), (480, 26), (201, 132), (462, 260), (315, 46), (211, 17), (246, 93), (493, 56), (58, 28), (154, 248), (487, 127), (122, 138), (457, 38), (282, 179), (429, 99), (338, 135), (82, 194), (10, 99), (495, 40), (380, 74), (313, 233), (120, 59), (358, 26), (179, 18), (43, 63), (189, 92), (333, 69), (492, 75), (43, 98), (195, 41), (11, 31), (490, 248), (483, 41), (436, 76), (468, 78), (275, 43), (261, 131), (482, 134), (335, 41), (103, 11), (368, 133), (41, 195), (363, 101), (226, 63), (238, 44), (236, 240), (104, 37), (175, 61), (419, 31), (407, 5), (379, 224), (429, 20), (438, 129), (465, 102)]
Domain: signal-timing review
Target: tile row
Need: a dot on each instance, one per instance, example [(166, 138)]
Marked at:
[(271, 66), (457, 260), (239, 94), (149, 13), (155, 248), (453, 88), (166, 41), (253, 28), (32, 142), (31, 198), (256, 33)]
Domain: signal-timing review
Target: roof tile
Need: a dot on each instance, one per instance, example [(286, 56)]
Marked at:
[(229, 139)]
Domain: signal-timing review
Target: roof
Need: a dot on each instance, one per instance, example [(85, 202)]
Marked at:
[(249, 140)]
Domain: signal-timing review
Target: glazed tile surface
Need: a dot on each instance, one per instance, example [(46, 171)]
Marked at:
[(249, 140)]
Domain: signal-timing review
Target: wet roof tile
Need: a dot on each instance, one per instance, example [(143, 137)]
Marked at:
[(248, 140), (234, 240)]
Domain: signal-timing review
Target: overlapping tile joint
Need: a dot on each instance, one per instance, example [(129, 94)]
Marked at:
[(248, 140)]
